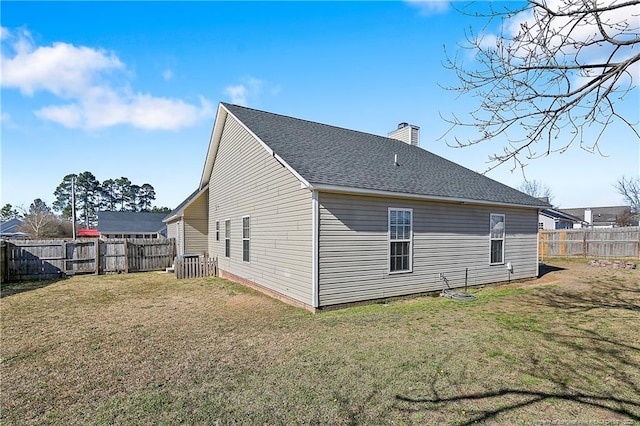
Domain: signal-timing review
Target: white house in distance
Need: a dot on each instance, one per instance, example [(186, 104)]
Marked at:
[(320, 216), (557, 219), (598, 217)]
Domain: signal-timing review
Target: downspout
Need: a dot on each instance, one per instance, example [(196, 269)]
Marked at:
[(315, 228), (538, 241)]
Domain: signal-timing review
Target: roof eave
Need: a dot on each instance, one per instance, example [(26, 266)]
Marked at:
[(380, 193), (180, 212), (214, 142)]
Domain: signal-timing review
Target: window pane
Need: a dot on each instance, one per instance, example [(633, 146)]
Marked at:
[(399, 259), (406, 232), (496, 251), (245, 250), (227, 248), (407, 218), (245, 227), (497, 226), (227, 229)]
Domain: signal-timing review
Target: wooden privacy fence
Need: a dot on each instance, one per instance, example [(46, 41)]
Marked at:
[(46, 259), (195, 267), (591, 242)]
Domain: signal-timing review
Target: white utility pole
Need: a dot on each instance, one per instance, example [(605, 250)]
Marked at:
[(73, 205)]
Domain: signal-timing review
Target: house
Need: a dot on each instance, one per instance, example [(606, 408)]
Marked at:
[(9, 229), (322, 216), (114, 224), (188, 223), (600, 217), (557, 219)]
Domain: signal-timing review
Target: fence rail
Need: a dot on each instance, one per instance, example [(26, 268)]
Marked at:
[(46, 259), (195, 267), (588, 242)]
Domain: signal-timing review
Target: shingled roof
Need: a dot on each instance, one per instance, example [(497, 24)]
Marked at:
[(114, 222), (325, 155)]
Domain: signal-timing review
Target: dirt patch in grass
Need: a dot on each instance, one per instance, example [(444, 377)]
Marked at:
[(148, 349)]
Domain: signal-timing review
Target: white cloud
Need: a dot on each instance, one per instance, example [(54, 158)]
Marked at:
[(238, 94), (584, 30), (67, 115), (167, 75), (620, 23), (249, 89), (139, 110), (85, 77), (429, 7)]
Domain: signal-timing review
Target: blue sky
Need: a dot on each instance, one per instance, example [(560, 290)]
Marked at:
[(131, 89)]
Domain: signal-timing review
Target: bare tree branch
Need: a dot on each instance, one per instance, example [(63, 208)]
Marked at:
[(545, 85), (629, 188)]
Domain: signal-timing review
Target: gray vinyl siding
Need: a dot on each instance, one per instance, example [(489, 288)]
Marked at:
[(196, 225), (172, 229), (247, 181), (447, 238)]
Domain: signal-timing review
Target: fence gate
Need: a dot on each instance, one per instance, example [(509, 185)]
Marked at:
[(195, 267)]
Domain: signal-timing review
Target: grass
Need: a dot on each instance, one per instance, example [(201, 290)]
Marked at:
[(148, 349)]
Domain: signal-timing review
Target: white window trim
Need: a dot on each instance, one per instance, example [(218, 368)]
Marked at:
[(246, 239), (227, 238), (389, 241), (503, 239), (217, 230)]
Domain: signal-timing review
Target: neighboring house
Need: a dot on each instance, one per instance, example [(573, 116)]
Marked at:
[(556, 219), (9, 229), (131, 225), (318, 215), (599, 217), (188, 223)]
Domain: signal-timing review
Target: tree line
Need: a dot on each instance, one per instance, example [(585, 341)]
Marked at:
[(91, 196), (111, 195)]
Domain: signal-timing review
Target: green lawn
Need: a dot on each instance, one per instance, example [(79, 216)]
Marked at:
[(148, 349)]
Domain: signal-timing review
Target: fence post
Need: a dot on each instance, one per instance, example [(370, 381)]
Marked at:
[(65, 262), (97, 253), (126, 256)]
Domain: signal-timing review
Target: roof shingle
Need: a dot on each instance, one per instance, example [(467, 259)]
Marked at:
[(329, 155)]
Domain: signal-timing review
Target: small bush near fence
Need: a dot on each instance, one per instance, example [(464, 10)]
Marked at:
[(46, 259), (591, 242)]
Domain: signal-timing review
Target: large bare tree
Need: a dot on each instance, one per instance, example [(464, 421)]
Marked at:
[(629, 188), (555, 73), (537, 189)]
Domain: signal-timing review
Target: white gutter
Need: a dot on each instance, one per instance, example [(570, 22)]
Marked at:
[(315, 263), (380, 193)]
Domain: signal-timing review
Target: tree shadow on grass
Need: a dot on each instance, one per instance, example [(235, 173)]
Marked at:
[(12, 288), (585, 353), (606, 295), (527, 398)]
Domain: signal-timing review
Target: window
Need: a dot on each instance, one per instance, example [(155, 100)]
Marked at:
[(540, 225), (246, 222), (496, 235), (217, 230), (400, 240), (227, 238)]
